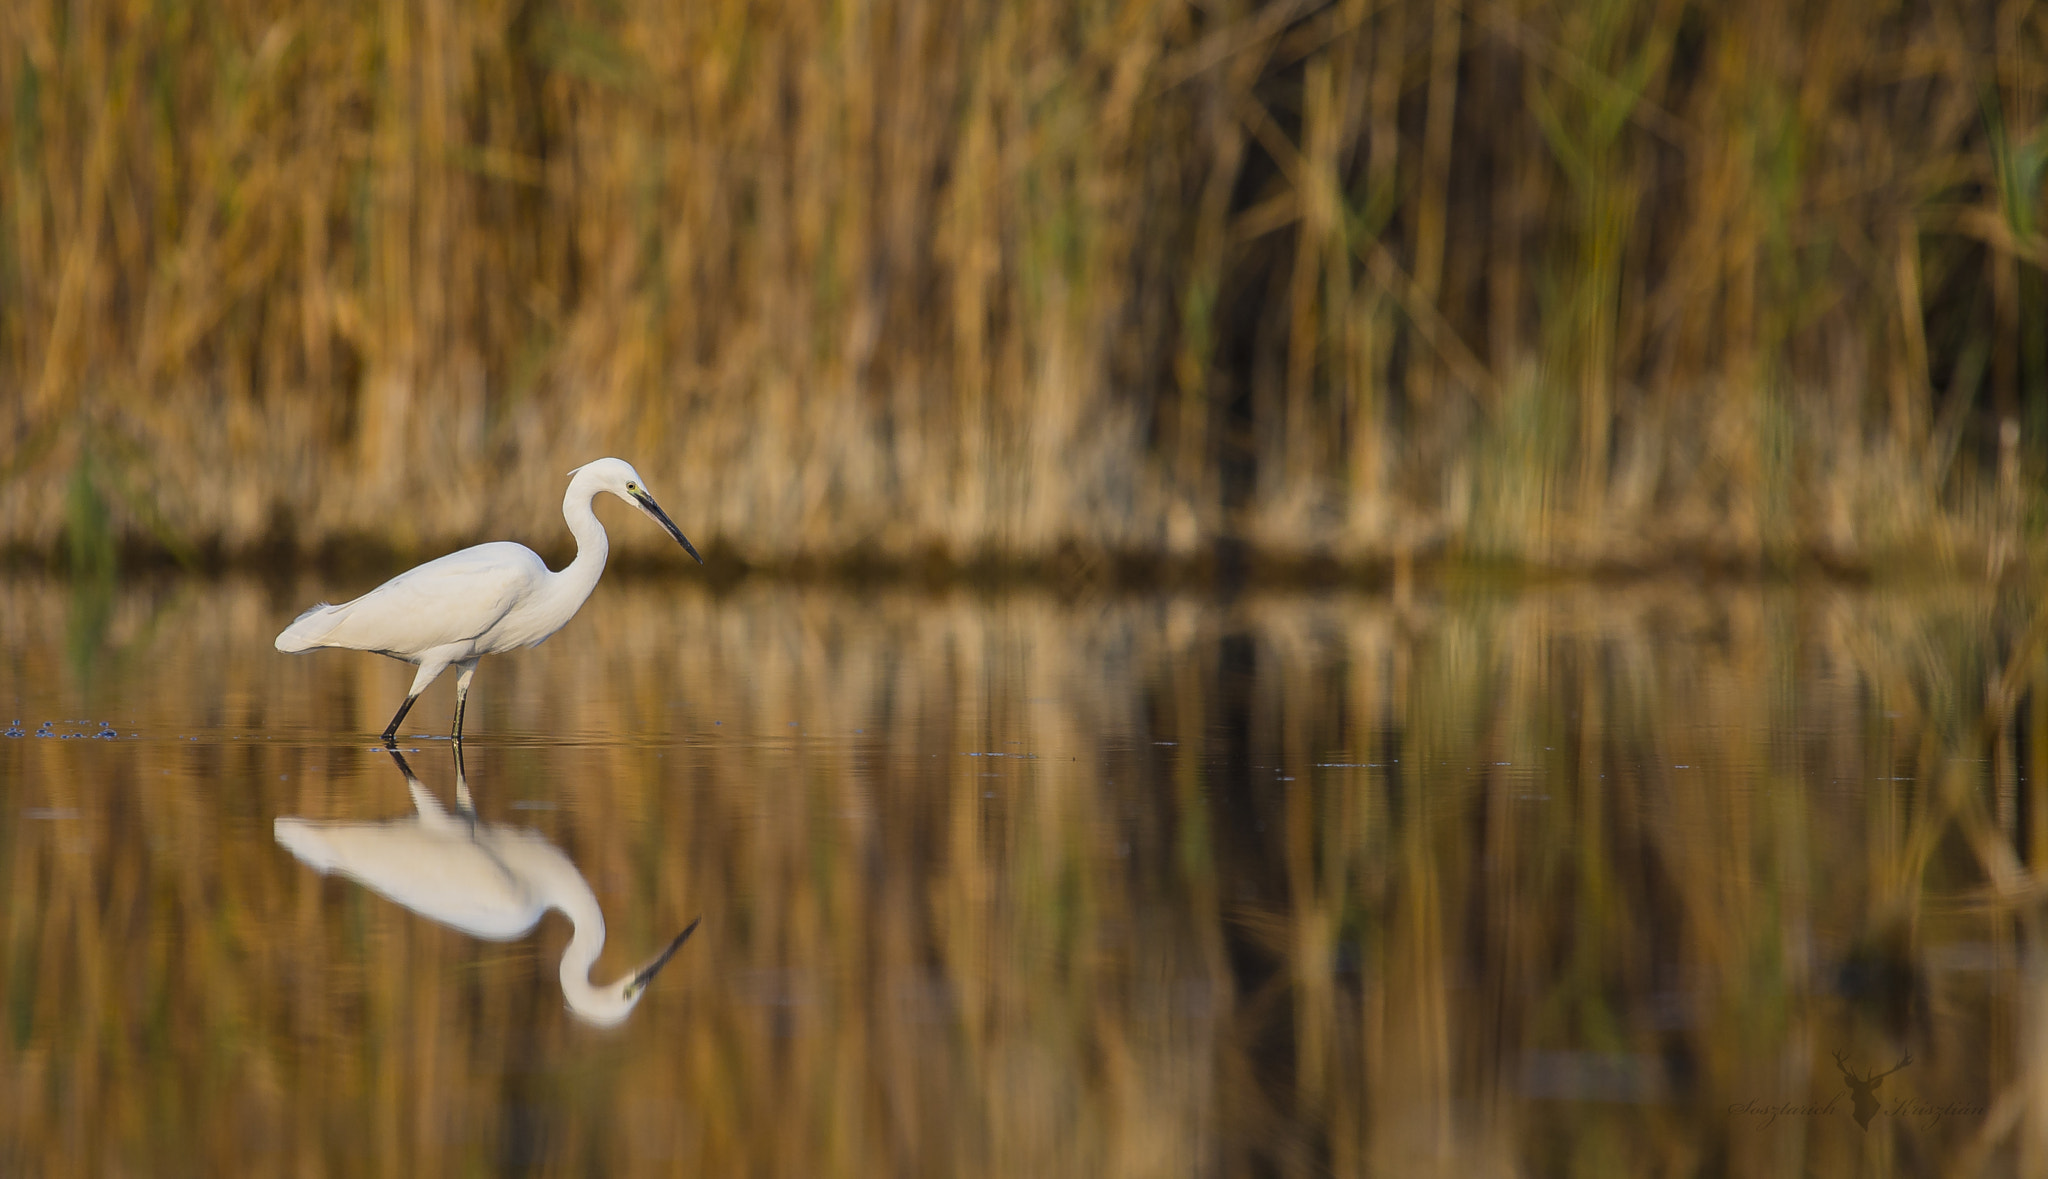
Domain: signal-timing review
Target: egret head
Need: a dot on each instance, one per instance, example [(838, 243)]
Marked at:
[(618, 477), (609, 1005)]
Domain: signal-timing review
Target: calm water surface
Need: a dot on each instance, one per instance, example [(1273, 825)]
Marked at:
[(1567, 881)]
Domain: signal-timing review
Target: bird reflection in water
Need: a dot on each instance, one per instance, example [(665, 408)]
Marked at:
[(485, 879)]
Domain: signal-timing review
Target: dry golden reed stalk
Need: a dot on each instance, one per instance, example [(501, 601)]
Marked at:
[(1562, 284)]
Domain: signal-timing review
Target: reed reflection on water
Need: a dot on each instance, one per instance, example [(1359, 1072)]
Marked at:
[(1593, 880)]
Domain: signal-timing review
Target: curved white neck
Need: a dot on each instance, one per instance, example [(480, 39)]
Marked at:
[(570, 586), (606, 1004), (592, 545)]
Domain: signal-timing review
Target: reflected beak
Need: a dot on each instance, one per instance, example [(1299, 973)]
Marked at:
[(646, 504), (647, 972)]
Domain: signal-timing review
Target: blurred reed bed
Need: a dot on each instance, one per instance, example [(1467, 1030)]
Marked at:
[(1468, 885), (1570, 285)]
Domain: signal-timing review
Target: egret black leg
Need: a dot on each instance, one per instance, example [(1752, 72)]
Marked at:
[(463, 802), (468, 671), (391, 730)]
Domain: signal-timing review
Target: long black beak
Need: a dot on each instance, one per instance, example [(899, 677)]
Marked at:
[(647, 972), (660, 517)]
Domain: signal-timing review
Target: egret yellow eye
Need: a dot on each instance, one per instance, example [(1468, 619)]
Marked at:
[(632, 487)]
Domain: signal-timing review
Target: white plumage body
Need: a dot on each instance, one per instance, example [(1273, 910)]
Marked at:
[(488, 598), (483, 600), (487, 880)]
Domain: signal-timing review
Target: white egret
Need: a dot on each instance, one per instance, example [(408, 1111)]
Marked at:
[(494, 597), (485, 879)]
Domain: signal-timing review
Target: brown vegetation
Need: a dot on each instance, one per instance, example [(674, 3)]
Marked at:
[(1542, 885), (1565, 284)]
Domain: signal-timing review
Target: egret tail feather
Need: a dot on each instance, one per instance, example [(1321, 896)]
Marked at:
[(307, 629)]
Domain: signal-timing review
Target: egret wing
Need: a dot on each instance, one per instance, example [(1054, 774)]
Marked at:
[(447, 878), (452, 599)]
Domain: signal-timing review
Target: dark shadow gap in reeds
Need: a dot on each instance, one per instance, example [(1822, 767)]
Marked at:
[(1563, 285), (362, 563)]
